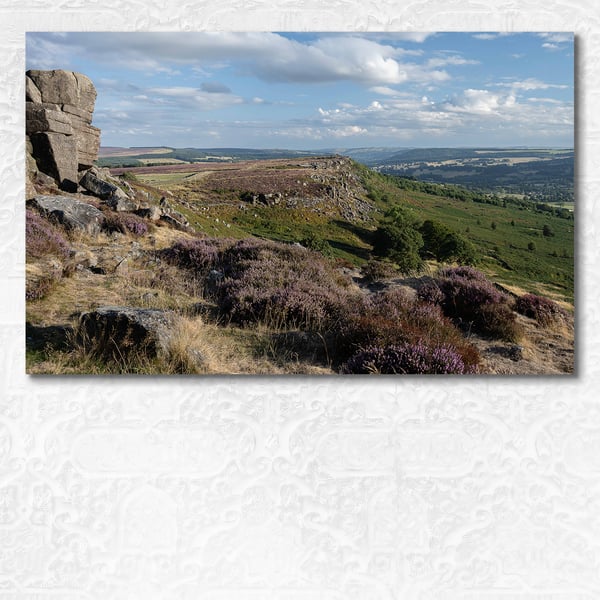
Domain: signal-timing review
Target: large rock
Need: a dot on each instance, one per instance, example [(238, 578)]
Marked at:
[(38, 118), (32, 93), (62, 102), (121, 331), (69, 212), (110, 193), (65, 87), (56, 155)]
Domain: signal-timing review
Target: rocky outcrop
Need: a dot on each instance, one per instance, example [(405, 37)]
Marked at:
[(119, 332), (69, 212), (173, 217), (110, 193), (61, 139)]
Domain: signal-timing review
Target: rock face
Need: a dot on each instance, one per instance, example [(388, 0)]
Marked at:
[(119, 332), (61, 138), (69, 212), (111, 194)]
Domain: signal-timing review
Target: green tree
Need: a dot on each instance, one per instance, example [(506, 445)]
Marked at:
[(457, 248), (547, 231), (400, 243), (398, 238), (433, 233)]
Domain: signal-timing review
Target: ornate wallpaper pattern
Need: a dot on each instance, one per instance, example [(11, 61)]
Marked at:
[(298, 488)]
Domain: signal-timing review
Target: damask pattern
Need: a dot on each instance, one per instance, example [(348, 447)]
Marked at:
[(298, 489)]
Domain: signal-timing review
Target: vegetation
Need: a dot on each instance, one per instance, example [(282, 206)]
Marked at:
[(543, 310), (468, 297), (305, 267), (536, 175)]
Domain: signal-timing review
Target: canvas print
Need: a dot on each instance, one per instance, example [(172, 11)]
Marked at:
[(300, 203)]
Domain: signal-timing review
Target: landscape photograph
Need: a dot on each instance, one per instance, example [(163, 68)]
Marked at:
[(309, 203)]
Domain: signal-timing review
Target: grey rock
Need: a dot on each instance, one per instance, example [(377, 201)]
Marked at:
[(111, 194), (55, 155), (88, 143), (32, 93), (122, 331), (176, 220), (153, 213), (69, 212), (62, 102), (38, 119), (65, 87)]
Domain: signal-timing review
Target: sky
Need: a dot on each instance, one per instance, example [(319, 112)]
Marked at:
[(322, 90)]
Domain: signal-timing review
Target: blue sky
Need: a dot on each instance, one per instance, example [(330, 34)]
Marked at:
[(322, 90)]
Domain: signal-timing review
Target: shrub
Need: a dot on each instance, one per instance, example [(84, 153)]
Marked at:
[(407, 358), (430, 293), (455, 247), (400, 244), (470, 298), (498, 321), (316, 243), (545, 311), (39, 288), (399, 239), (377, 270), (547, 231), (393, 317), (43, 238), (280, 285), (116, 222), (199, 255)]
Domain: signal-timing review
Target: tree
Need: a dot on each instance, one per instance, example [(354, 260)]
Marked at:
[(547, 231), (446, 245), (399, 239), (457, 248), (399, 243), (531, 246)]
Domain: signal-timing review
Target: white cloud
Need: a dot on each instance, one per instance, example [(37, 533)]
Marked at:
[(269, 56), (556, 40), (187, 97), (532, 84), (479, 101), (348, 131), (560, 37), (492, 36), (453, 59), (384, 90)]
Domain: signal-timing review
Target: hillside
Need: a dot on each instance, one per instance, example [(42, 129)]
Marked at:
[(536, 174), (330, 205), (314, 265)]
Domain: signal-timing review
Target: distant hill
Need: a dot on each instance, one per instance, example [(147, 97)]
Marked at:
[(128, 157), (538, 174)]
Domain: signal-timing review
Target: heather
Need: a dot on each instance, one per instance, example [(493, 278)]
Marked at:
[(283, 286), (255, 281), (116, 222), (407, 358), (468, 297), (392, 317), (545, 311), (198, 254), (43, 238), (307, 294)]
